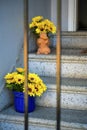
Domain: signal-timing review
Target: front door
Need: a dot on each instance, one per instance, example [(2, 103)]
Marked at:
[(82, 15)]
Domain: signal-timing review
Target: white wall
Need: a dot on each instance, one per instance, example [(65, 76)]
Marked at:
[(11, 39)]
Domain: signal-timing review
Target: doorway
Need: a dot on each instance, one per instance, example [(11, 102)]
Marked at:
[(82, 15)]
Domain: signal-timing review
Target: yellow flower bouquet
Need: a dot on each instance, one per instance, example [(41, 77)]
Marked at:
[(40, 25), (43, 29), (15, 82)]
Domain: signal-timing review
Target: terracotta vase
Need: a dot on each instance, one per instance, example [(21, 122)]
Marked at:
[(43, 44)]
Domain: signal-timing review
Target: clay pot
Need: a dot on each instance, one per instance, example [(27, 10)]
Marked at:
[(43, 44)]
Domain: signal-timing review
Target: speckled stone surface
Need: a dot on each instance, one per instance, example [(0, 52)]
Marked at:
[(38, 120), (73, 93), (44, 118), (73, 64), (72, 40), (46, 68), (69, 40)]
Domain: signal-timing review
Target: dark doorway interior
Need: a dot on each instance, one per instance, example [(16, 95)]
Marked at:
[(82, 15)]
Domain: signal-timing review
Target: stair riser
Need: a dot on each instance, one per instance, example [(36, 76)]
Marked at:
[(20, 126), (67, 41), (69, 100), (74, 70), (72, 126), (71, 41), (68, 69), (74, 41), (43, 119), (46, 68)]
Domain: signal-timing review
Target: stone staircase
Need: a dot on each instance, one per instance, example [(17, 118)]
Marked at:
[(73, 89), (44, 118)]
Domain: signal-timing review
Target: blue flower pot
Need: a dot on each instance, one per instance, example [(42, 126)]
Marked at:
[(19, 102)]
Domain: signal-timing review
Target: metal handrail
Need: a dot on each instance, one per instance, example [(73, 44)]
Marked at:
[(58, 59), (26, 62)]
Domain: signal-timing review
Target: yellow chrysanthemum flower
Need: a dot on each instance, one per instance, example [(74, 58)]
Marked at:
[(36, 87), (31, 90), (37, 18), (37, 30), (19, 79), (53, 30), (9, 78), (33, 78), (43, 87), (20, 70), (14, 73), (9, 81), (38, 90), (40, 25)]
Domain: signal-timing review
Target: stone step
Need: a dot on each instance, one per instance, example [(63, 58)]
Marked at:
[(73, 63), (43, 118), (73, 93), (71, 40), (68, 40)]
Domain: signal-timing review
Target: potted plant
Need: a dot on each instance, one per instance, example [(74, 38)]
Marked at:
[(42, 29), (15, 82)]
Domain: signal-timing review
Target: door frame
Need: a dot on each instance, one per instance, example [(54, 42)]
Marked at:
[(72, 15)]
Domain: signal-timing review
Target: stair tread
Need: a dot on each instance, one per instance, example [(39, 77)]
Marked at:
[(70, 54), (47, 115), (67, 83), (77, 33)]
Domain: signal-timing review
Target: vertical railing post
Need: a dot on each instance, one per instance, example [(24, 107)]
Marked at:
[(26, 62), (58, 59)]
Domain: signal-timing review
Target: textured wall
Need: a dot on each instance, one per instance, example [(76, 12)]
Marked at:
[(11, 39)]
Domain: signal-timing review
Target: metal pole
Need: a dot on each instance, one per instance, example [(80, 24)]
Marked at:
[(26, 62), (58, 46)]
